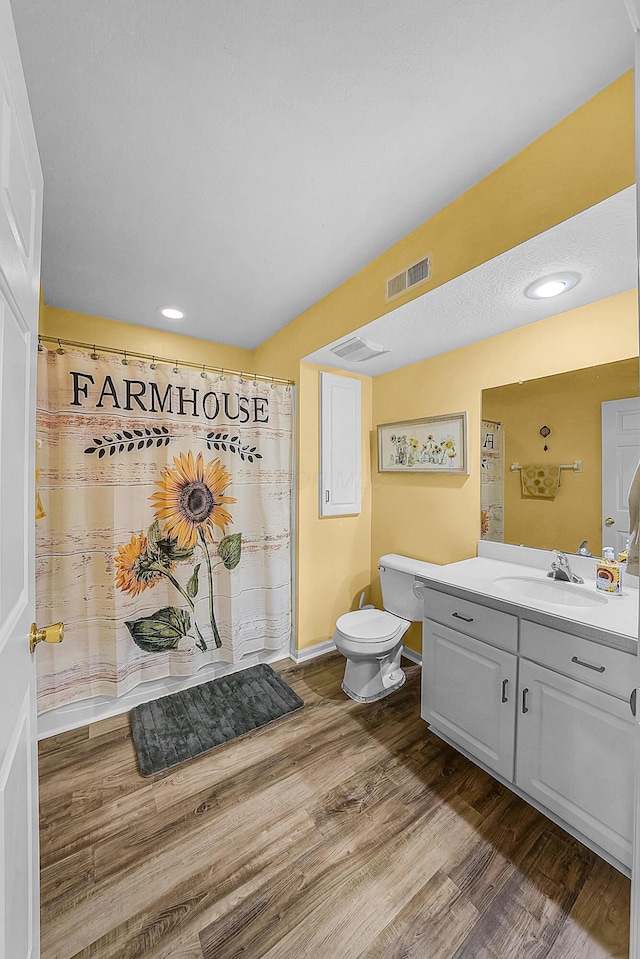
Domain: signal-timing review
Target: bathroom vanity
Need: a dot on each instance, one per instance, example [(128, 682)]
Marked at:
[(531, 679)]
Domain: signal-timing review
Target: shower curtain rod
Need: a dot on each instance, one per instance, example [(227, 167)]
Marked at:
[(162, 359)]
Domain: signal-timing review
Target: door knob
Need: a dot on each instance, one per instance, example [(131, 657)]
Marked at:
[(609, 521), (50, 634)]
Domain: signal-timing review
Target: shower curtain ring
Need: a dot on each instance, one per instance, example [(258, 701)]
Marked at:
[(153, 365), (40, 346), (255, 382), (60, 351), (273, 385), (94, 355), (221, 377), (203, 374), (176, 368), (125, 361)]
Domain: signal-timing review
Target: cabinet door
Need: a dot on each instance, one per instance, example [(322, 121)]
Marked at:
[(469, 694), (575, 756), (340, 441)]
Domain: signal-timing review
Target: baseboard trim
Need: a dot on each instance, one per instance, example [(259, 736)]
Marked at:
[(311, 652), (63, 719), (412, 655)]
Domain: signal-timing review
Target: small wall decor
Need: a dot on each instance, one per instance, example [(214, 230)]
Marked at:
[(544, 432), (434, 444)]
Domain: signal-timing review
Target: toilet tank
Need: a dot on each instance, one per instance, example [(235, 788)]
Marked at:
[(397, 581)]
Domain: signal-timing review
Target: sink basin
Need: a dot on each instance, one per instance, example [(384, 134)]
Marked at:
[(549, 591)]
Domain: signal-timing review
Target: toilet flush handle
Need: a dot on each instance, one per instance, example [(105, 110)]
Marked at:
[(417, 589)]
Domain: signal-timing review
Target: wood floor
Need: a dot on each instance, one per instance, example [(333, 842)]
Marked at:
[(343, 832)]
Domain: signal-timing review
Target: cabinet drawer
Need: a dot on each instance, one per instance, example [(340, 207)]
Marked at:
[(482, 622), (610, 670)]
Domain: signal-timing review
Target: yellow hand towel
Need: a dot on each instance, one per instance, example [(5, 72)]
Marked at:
[(540, 481)]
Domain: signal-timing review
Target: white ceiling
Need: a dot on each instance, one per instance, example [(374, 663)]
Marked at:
[(241, 158), (599, 244)]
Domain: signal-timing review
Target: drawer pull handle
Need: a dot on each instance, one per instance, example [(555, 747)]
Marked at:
[(467, 619), (632, 701), (525, 708), (504, 690), (598, 669)]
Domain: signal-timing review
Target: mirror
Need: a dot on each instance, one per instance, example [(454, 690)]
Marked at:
[(570, 406)]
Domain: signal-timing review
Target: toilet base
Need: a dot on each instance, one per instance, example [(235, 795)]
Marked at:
[(367, 679), (379, 695)]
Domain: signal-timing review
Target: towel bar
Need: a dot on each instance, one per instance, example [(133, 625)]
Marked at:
[(576, 466)]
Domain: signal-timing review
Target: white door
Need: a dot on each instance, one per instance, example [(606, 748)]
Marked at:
[(620, 456), (469, 694), (20, 234), (575, 755)]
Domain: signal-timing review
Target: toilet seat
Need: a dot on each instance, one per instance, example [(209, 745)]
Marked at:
[(369, 625)]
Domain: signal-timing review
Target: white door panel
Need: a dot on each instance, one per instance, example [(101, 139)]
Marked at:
[(575, 755), (468, 691), (620, 456), (20, 236), (340, 440)]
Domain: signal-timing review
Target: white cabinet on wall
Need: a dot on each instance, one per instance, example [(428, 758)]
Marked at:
[(340, 440)]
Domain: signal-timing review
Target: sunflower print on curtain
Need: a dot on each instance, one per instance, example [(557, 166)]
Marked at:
[(166, 539)]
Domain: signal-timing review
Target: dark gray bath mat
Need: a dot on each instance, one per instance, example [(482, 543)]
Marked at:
[(168, 731)]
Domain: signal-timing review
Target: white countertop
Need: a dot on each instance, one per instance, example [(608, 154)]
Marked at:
[(619, 615)]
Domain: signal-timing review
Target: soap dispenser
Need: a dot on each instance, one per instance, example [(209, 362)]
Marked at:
[(608, 577)]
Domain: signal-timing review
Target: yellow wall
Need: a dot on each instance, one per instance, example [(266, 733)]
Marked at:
[(570, 404), (435, 517), (579, 162), (126, 336)]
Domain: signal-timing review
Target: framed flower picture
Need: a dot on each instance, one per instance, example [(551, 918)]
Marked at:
[(434, 444)]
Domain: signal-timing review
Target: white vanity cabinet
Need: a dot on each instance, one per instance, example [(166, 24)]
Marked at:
[(545, 710), (469, 691), (575, 756)]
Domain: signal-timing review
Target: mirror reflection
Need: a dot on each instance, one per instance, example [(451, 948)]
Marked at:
[(558, 456)]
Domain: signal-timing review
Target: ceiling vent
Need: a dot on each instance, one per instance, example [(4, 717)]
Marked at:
[(358, 350), (413, 275)]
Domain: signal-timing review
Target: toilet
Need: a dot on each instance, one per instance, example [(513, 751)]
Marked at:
[(371, 639)]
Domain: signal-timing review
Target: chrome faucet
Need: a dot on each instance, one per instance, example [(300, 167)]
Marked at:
[(561, 570)]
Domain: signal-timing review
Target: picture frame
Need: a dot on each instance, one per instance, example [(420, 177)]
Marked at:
[(431, 444)]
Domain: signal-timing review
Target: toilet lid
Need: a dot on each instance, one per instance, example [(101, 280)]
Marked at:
[(369, 625)]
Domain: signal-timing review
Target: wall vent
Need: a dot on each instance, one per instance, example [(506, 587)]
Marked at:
[(417, 273)]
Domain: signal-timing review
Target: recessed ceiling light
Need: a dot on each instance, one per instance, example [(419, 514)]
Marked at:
[(171, 313), (552, 285)]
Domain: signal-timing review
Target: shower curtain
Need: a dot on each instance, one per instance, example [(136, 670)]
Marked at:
[(492, 482), (165, 539)]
